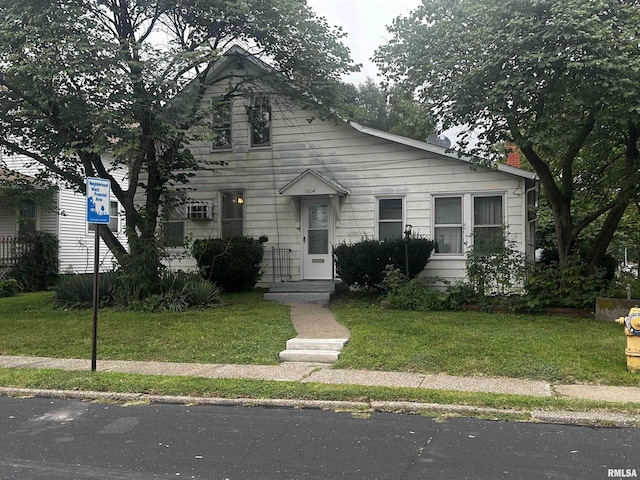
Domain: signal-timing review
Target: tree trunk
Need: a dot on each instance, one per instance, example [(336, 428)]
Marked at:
[(605, 236)]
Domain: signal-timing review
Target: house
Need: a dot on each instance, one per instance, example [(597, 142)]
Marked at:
[(309, 185), (62, 213)]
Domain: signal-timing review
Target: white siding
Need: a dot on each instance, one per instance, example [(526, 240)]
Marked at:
[(67, 221), (7, 219), (77, 242), (367, 166)]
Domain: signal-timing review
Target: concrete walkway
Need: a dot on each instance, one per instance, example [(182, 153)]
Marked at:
[(317, 322)]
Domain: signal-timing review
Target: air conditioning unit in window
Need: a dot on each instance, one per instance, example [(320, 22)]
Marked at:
[(199, 211)]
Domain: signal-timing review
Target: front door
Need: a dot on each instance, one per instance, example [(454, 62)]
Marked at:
[(317, 235)]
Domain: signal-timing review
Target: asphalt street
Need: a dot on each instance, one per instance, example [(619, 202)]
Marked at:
[(69, 439)]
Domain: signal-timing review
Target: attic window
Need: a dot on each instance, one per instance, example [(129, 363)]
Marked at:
[(240, 64), (260, 119), (221, 121)]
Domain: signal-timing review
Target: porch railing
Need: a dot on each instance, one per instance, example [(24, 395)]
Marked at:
[(281, 264), (11, 249)]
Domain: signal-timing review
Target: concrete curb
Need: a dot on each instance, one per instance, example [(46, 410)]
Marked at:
[(603, 419)]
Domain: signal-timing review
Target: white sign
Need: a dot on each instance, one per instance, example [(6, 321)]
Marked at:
[(98, 200)]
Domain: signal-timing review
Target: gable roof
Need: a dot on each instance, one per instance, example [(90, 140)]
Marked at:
[(312, 180), (231, 55), (427, 147), (236, 51)]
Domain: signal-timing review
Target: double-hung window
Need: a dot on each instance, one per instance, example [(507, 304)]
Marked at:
[(390, 218), (174, 221), (448, 224), (468, 219), (221, 120), (260, 121), (232, 214), (488, 229)]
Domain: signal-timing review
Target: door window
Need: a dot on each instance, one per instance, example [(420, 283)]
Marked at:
[(318, 229)]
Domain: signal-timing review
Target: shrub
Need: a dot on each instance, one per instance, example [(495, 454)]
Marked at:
[(9, 287), (202, 293), (461, 293), (178, 292), (500, 271), (415, 294), (76, 290), (571, 286), (37, 269), (363, 264), (233, 265)]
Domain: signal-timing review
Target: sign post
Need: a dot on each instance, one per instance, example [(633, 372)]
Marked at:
[(98, 213)]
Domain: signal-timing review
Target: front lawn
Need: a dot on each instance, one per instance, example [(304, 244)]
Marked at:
[(245, 330), (249, 330), (552, 348)]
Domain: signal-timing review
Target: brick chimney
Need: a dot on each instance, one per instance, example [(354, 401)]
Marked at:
[(513, 155)]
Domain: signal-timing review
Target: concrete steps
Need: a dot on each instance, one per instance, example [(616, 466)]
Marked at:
[(313, 350), (310, 291)]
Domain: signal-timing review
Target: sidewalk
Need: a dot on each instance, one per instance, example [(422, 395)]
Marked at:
[(309, 373), (317, 373), (317, 322)]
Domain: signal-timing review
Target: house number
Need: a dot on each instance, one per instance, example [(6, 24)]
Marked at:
[(310, 190)]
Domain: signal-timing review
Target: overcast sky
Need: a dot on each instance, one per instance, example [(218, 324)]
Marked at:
[(365, 22)]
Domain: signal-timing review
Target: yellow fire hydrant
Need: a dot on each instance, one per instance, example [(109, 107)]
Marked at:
[(632, 330)]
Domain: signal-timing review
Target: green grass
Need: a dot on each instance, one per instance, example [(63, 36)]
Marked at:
[(248, 330), (245, 330), (257, 389), (551, 348)]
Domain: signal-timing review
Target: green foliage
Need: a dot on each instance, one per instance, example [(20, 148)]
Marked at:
[(571, 286), (388, 109), (496, 269), (363, 264), (9, 287), (233, 265), (88, 90), (461, 293), (76, 290), (177, 292), (416, 294), (559, 80), (37, 268)]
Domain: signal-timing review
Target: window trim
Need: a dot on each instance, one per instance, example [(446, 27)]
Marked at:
[(403, 220), (467, 205)]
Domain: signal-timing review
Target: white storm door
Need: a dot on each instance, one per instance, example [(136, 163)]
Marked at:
[(317, 235)]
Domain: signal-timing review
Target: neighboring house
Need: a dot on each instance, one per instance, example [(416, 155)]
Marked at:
[(65, 217), (310, 185)]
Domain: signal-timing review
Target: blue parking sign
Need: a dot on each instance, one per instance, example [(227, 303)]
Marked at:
[(98, 200)]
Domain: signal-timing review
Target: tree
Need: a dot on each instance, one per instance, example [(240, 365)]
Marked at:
[(559, 79), (90, 86), (388, 109)]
